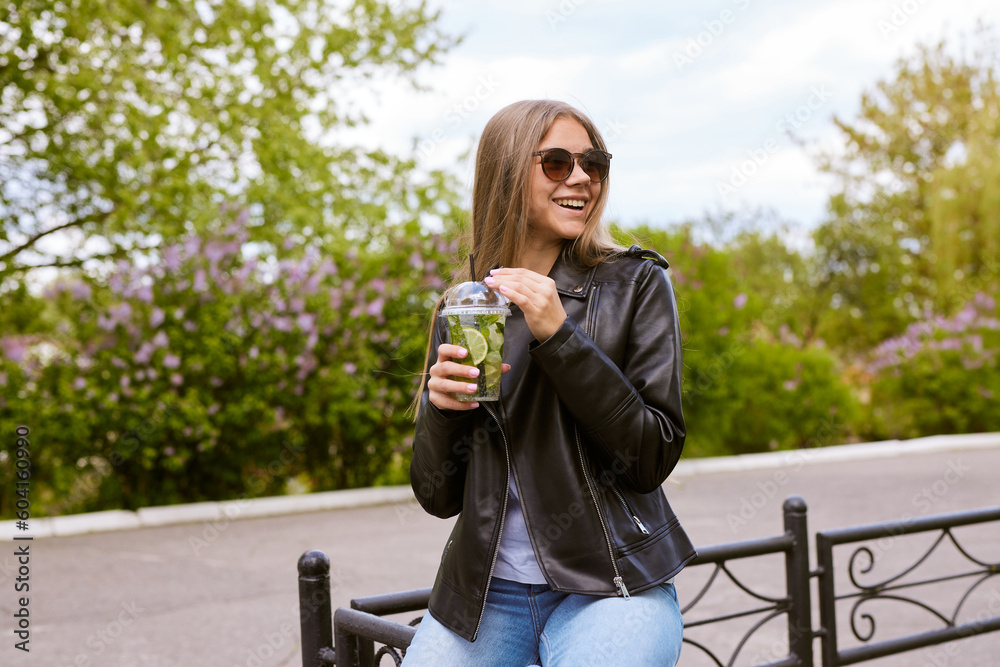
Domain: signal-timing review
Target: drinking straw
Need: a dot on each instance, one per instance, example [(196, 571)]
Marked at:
[(472, 266)]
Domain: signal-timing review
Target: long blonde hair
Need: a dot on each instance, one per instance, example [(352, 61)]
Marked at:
[(501, 193), (501, 190)]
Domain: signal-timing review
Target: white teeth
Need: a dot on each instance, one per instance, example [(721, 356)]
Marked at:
[(576, 203)]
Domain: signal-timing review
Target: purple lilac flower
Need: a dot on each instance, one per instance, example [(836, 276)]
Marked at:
[(306, 322), (200, 284), (375, 307), (14, 349), (312, 283), (176, 379), (214, 251), (160, 339), (156, 317), (144, 293), (171, 361), (81, 291), (172, 257), (350, 368), (192, 246), (740, 301)]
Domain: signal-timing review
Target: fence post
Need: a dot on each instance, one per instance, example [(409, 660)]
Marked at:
[(800, 635), (315, 614)]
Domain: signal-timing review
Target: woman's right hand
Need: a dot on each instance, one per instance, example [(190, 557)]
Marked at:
[(441, 387)]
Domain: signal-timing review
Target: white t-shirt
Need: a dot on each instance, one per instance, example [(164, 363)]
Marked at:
[(516, 559)]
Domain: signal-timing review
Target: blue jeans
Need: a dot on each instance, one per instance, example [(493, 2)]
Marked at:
[(529, 624)]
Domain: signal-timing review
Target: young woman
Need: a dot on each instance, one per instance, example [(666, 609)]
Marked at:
[(565, 547)]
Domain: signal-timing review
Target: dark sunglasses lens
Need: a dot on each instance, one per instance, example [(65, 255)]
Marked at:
[(596, 165), (557, 164)]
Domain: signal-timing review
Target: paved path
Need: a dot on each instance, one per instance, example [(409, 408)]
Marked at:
[(224, 593)]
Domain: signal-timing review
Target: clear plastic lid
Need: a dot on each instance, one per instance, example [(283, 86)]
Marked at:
[(475, 298)]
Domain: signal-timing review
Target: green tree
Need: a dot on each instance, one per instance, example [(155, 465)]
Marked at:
[(126, 123), (915, 213)]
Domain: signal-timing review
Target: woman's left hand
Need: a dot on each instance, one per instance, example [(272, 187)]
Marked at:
[(535, 295)]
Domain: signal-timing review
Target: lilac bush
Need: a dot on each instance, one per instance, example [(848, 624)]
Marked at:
[(940, 376), (216, 369)]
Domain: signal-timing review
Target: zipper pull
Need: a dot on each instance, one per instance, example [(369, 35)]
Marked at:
[(639, 523), (620, 585)]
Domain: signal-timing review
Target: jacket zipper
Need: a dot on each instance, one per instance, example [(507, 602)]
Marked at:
[(618, 582), (503, 517), (628, 510)]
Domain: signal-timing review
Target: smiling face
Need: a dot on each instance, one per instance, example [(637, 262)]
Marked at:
[(558, 210)]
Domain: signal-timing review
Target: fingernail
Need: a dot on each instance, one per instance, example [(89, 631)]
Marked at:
[(475, 405), (473, 372), (489, 280), (503, 288), (472, 388), (462, 352), (492, 271)]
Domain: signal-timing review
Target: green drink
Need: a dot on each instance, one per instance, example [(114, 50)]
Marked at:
[(476, 316)]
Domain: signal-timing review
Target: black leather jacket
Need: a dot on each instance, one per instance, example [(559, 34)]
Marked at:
[(589, 423)]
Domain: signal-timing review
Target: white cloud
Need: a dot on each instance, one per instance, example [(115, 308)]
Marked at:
[(680, 131)]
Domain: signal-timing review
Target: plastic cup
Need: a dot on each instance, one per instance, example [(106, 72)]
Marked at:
[(476, 316)]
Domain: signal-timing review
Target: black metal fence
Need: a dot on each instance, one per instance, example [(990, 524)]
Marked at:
[(361, 636)]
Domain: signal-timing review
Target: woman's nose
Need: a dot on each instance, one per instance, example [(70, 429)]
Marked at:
[(578, 175)]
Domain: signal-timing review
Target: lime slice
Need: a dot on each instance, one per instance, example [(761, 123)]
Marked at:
[(476, 345), (495, 339), (491, 376)]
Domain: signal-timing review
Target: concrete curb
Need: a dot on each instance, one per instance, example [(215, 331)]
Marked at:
[(148, 517), (856, 452)]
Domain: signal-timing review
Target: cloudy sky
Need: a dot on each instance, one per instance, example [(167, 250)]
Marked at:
[(694, 99)]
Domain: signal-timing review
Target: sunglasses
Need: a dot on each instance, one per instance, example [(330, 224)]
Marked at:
[(557, 163)]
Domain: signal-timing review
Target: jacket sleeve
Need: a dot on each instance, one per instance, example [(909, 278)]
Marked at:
[(632, 414), (440, 449)]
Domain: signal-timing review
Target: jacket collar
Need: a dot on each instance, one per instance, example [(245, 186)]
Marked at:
[(571, 280)]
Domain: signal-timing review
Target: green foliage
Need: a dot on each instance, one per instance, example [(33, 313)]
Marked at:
[(204, 373), (750, 383), (131, 121)]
